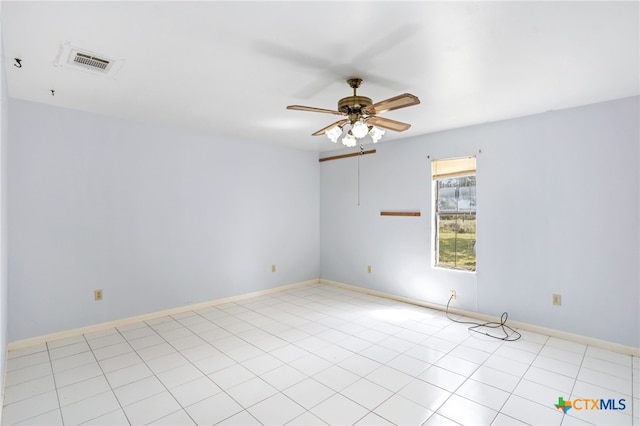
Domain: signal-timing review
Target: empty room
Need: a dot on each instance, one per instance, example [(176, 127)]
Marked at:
[(320, 213)]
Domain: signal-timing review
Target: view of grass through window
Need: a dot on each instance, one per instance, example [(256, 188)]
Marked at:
[(457, 239), (456, 222)]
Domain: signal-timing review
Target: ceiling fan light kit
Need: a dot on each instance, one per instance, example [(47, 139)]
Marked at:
[(334, 133), (349, 140), (362, 119), (376, 134), (359, 129)]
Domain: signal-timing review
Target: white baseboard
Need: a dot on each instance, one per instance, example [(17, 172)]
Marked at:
[(627, 350), (146, 317), (603, 344)]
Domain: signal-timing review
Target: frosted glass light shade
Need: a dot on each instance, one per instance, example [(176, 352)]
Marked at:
[(334, 133), (349, 140), (359, 129), (376, 134)]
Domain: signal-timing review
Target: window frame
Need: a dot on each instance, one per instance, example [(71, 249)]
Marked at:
[(464, 170)]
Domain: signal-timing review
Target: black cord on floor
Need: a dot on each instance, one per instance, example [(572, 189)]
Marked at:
[(477, 327)]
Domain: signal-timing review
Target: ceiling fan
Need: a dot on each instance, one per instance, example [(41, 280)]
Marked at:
[(362, 116)]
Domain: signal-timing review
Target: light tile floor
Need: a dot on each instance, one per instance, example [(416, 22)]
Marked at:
[(313, 355)]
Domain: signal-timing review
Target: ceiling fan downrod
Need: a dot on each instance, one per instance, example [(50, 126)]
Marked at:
[(353, 106), (354, 83)]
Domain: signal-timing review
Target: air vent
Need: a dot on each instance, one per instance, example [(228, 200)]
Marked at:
[(91, 61), (85, 60)]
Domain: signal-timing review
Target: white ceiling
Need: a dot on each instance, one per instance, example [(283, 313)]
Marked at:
[(231, 67)]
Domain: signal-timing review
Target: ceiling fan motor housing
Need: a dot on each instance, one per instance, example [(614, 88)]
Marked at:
[(353, 104)]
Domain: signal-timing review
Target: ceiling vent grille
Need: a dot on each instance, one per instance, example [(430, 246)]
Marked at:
[(91, 61), (87, 61)]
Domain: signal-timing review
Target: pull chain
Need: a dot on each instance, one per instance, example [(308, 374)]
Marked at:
[(361, 154), (359, 179)]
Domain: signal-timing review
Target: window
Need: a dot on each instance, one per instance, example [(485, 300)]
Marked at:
[(455, 212)]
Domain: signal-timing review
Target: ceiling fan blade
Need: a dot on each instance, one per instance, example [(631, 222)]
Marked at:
[(313, 109), (386, 123), (397, 102), (337, 123)]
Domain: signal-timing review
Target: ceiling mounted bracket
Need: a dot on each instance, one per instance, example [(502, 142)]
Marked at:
[(354, 83)]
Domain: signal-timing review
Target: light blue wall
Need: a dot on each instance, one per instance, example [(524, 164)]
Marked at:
[(157, 217), (160, 217), (558, 212), (3, 215)]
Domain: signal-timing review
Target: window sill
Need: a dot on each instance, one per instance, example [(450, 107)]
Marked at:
[(446, 268)]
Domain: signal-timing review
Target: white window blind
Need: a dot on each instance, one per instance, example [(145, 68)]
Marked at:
[(453, 167)]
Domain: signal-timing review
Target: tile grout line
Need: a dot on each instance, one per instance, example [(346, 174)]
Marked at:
[(203, 373), (55, 389), (396, 393), (106, 380), (55, 385), (575, 381), (235, 361), (323, 318), (281, 391), (449, 352), (468, 376), (156, 376), (633, 405), (48, 362), (339, 392), (308, 377), (499, 411)]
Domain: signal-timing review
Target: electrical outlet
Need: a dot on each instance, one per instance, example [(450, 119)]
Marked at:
[(453, 294), (556, 299), (368, 269), (97, 294), (273, 268)]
